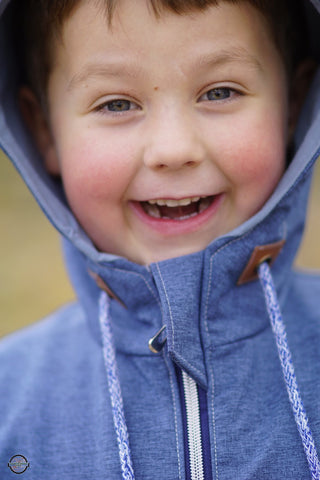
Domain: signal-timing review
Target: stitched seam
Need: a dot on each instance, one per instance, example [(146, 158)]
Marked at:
[(175, 416), (207, 331), (215, 448), (212, 380), (147, 284), (213, 412), (214, 429), (226, 246), (143, 278), (167, 298), (191, 368), (171, 320), (208, 292)]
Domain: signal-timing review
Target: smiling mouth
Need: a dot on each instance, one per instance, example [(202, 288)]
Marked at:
[(177, 209)]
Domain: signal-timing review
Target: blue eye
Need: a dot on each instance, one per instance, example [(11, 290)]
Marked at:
[(221, 93), (119, 105)]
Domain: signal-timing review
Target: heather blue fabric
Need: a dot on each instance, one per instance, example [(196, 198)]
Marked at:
[(54, 403)]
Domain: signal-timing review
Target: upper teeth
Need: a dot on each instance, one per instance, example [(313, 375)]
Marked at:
[(174, 203)]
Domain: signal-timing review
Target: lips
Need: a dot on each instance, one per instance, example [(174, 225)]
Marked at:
[(178, 210), (170, 217)]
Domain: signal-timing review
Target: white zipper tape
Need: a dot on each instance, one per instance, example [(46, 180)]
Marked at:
[(193, 427)]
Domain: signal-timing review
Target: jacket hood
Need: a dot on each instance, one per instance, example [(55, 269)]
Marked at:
[(196, 297), (17, 144), (221, 264)]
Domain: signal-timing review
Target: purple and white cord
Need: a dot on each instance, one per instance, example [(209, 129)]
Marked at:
[(115, 390), (279, 331)]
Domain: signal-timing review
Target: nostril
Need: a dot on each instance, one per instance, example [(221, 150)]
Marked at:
[(190, 163)]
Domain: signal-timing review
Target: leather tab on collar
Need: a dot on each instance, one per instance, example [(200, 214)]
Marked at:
[(259, 255), (101, 284)]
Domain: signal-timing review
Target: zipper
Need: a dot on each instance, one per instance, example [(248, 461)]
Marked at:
[(193, 427), (196, 428)]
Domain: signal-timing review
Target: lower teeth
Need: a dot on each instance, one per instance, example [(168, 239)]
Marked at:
[(181, 218)]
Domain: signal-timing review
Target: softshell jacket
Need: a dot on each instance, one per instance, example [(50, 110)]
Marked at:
[(176, 373)]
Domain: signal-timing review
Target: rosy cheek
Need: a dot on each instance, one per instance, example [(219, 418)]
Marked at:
[(94, 171), (258, 155)]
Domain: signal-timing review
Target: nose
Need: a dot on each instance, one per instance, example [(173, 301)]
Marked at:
[(173, 142)]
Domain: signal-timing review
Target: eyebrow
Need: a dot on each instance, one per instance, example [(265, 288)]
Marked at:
[(115, 68), (232, 55), (102, 69)]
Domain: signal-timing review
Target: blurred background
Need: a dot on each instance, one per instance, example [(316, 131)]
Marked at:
[(33, 281)]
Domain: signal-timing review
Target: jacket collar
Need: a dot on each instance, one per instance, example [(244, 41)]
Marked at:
[(197, 297)]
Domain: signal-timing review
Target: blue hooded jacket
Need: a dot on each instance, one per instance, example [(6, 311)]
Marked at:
[(204, 383)]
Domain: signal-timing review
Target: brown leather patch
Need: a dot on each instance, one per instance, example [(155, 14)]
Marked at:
[(101, 284), (259, 255)]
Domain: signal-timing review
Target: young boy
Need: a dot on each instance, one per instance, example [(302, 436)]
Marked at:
[(164, 144)]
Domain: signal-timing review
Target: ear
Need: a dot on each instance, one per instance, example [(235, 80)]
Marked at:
[(38, 125), (300, 83)]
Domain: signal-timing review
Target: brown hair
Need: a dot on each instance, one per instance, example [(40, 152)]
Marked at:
[(39, 22)]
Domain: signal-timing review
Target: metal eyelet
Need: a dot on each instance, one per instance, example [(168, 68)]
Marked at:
[(157, 342)]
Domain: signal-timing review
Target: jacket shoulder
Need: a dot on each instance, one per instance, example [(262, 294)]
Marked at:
[(28, 349), (302, 305), (307, 282)]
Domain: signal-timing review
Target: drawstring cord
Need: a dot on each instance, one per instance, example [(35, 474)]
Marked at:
[(114, 389), (279, 331)]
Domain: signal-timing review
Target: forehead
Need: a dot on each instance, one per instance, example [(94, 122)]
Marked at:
[(134, 26)]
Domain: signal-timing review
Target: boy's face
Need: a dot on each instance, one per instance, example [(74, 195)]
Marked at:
[(164, 111)]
